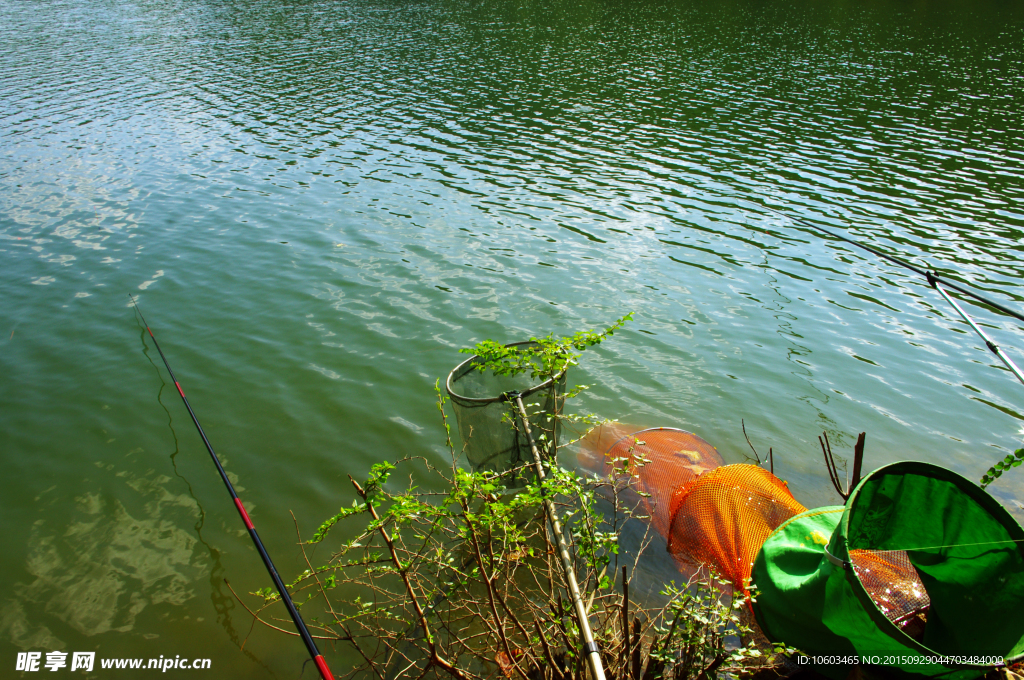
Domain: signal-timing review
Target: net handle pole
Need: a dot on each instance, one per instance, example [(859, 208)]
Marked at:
[(592, 651), (991, 345)]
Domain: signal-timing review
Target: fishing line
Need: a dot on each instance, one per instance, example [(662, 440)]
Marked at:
[(931, 276), (846, 564), (951, 545), (217, 598), (314, 653), (934, 280)]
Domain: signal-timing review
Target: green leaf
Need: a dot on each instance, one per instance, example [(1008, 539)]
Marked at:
[(321, 532)]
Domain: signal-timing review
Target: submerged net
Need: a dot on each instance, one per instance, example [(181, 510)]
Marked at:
[(708, 514), (662, 460), (720, 516), (654, 462), (492, 436)]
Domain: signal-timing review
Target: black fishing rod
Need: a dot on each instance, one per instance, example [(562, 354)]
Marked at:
[(314, 653), (936, 282)]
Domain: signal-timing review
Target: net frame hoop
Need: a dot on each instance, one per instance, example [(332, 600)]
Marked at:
[(466, 366), (840, 544), (649, 429)]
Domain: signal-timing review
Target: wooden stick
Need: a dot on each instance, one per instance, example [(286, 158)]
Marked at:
[(858, 460)]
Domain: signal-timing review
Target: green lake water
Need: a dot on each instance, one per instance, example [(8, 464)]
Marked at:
[(318, 203)]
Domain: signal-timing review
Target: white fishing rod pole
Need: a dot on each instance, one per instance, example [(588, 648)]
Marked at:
[(590, 647), (991, 345), (934, 281)]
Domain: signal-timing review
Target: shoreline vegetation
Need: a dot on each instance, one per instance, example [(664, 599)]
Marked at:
[(458, 573), (467, 582)]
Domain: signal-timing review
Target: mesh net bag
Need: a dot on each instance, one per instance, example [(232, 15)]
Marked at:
[(723, 518), (660, 460), (489, 424), (893, 584), (921, 566)]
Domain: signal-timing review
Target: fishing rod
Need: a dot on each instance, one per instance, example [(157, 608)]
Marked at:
[(991, 345), (936, 282), (314, 653)]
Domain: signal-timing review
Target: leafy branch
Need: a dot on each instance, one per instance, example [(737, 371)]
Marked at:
[(543, 357), (996, 471)]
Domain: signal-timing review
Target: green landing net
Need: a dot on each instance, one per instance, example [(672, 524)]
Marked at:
[(491, 429), (920, 564)]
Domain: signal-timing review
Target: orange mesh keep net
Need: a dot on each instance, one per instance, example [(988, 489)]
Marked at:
[(660, 460), (720, 516), (724, 517)]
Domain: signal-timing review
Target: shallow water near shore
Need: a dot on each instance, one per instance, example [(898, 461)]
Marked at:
[(317, 204)]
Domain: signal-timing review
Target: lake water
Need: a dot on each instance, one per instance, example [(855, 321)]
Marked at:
[(318, 203)]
